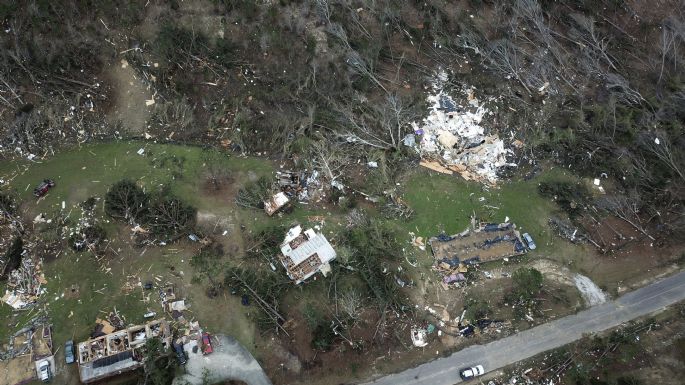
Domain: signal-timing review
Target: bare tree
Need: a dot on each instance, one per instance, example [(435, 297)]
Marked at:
[(381, 126), (619, 86), (506, 58), (662, 148), (626, 208), (672, 36), (351, 303), (328, 157), (589, 39), (323, 9)]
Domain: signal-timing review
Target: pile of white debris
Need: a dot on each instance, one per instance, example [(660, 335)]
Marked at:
[(452, 138)]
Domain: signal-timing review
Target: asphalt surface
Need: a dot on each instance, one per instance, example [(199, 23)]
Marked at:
[(506, 351), (229, 361)]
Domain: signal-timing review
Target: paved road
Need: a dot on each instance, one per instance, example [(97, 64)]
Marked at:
[(229, 361), (506, 351)]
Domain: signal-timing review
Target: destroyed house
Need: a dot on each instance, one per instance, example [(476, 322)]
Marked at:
[(118, 352), (305, 253), (487, 242)]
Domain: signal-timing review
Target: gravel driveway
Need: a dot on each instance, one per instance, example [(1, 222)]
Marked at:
[(229, 361)]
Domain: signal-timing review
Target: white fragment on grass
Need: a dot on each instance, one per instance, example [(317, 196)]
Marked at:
[(657, 141)]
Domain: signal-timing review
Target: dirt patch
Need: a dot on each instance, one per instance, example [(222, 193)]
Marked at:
[(342, 359), (591, 293), (17, 370), (130, 94), (219, 186)]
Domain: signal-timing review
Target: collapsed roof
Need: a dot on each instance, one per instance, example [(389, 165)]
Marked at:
[(305, 253)]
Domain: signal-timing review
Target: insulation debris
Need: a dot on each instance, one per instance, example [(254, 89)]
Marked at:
[(452, 135)]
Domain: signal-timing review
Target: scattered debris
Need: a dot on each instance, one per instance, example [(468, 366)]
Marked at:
[(25, 284), (453, 140), (27, 347), (418, 337)]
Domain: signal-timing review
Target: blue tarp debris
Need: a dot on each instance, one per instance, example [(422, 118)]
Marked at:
[(444, 238), (471, 261), (454, 261)]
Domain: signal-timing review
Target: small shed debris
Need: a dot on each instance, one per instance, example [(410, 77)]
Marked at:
[(418, 337), (277, 202)]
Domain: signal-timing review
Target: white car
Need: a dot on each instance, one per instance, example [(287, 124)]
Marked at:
[(469, 373), (44, 371), (529, 241)]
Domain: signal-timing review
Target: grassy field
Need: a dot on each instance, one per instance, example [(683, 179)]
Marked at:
[(441, 204), (445, 203), (88, 172)]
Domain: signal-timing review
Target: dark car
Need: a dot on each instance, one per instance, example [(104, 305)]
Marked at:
[(69, 352), (43, 187), (206, 344), (180, 354)]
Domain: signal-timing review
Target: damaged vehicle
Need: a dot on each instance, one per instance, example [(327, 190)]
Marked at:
[(43, 187)]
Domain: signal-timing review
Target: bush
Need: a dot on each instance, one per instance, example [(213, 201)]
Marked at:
[(170, 217), (571, 197), (208, 266), (477, 309), (323, 336), (174, 44), (527, 282), (372, 243), (160, 363), (88, 237), (254, 194), (126, 201), (312, 316)]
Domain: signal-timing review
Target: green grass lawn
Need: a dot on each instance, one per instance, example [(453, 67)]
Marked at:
[(441, 203), (444, 203), (88, 172)]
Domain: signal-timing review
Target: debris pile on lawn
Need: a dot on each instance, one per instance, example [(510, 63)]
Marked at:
[(452, 138), (87, 234), (275, 203), (25, 284), (26, 349), (486, 242), (301, 185)]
